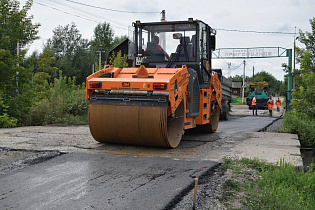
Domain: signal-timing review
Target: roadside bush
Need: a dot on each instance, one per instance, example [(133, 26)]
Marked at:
[(39, 113), (6, 121), (301, 125), (302, 119), (118, 60), (64, 104)]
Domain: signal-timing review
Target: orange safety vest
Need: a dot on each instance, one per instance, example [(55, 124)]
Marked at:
[(270, 104), (278, 102), (254, 102)]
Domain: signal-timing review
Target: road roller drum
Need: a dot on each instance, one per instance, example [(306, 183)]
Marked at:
[(139, 125)]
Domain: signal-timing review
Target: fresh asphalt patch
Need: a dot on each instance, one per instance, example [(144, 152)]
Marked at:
[(87, 181)]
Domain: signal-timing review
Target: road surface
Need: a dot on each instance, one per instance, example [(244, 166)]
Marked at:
[(64, 168)]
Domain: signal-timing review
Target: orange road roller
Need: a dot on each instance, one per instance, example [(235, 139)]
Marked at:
[(167, 87)]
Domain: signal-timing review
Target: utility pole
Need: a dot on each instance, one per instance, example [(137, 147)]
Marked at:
[(162, 35), (243, 87), (294, 60), (17, 72), (99, 59), (229, 69), (289, 92), (163, 15), (253, 74)]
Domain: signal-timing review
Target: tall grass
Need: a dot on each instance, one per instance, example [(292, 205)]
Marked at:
[(285, 188), (278, 186), (301, 125)]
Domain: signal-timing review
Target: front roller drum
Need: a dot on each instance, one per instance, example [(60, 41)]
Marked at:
[(136, 125)]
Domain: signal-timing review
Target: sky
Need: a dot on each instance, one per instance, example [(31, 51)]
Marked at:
[(284, 16)]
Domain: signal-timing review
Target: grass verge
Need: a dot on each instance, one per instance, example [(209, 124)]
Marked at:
[(239, 101), (255, 184)]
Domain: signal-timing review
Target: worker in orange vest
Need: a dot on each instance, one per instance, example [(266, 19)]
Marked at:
[(254, 104), (270, 105), (278, 103)]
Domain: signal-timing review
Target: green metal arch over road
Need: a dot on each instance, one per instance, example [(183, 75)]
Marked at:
[(259, 52)]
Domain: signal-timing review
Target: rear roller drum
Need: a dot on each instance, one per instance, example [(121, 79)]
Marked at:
[(215, 117), (226, 109), (214, 121)]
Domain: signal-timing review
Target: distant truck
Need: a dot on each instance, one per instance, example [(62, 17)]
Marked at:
[(226, 95), (260, 89)]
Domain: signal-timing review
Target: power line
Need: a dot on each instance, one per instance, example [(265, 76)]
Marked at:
[(66, 12), (258, 32), (79, 16), (89, 13), (113, 10), (236, 67)]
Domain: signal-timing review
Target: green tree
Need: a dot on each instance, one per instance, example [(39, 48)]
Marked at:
[(15, 27), (308, 39), (72, 53), (304, 101), (103, 39), (239, 78), (302, 119), (46, 63), (66, 40), (31, 61), (273, 84), (284, 87)]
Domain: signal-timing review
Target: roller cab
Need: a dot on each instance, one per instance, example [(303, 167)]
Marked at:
[(167, 88)]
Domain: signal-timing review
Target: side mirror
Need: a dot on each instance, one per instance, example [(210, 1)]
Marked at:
[(212, 42), (177, 36)]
